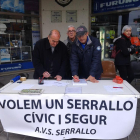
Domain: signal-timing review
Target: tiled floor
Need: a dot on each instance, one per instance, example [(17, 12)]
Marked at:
[(135, 135)]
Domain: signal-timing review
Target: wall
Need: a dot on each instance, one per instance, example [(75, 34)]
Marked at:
[(82, 7)]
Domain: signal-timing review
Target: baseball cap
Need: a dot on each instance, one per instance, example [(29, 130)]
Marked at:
[(81, 30)]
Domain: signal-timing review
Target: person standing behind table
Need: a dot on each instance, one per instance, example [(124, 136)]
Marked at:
[(86, 57), (122, 59), (49, 57), (71, 39)]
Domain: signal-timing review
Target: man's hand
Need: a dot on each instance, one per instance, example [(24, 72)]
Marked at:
[(92, 79), (76, 78), (46, 74), (58, 77)]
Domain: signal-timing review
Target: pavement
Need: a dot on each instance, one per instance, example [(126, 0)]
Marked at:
[(135, 135)]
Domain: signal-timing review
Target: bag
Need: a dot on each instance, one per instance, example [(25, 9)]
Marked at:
[(135, 41), (114, 52)]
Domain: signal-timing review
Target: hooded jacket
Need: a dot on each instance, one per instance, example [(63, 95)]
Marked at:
[(123, 44)]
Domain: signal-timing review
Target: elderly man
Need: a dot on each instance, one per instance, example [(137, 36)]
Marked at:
[(71, 39), (86, 57), (50, 57)]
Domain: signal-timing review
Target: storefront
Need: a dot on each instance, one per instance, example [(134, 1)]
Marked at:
[(19, 31), (108, 18)]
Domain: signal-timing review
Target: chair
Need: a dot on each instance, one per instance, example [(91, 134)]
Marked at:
[(109, 70), (136, 69)]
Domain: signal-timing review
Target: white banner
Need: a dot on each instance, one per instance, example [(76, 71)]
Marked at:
[(68, 116)]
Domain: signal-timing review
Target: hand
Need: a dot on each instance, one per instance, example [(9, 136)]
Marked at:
[(46, 74), (75, 78), (92, 79), (58, 77)]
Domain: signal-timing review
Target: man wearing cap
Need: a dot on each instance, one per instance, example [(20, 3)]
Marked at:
[(71, 39), (86, 57)]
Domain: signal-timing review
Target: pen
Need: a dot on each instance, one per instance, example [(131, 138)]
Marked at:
[(117, 87), (74, 78)]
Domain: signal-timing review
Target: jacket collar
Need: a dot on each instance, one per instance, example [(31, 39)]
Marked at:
[(88, 42)]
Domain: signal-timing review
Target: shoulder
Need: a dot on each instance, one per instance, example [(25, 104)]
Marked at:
[(65, 41)]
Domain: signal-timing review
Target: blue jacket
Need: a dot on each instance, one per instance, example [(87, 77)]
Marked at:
[(86, 62)]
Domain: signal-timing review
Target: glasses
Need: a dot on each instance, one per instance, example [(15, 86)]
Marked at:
[(71, 31)]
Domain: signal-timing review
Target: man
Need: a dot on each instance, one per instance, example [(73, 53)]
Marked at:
[(71, 39), (86, 57), (50, 57)]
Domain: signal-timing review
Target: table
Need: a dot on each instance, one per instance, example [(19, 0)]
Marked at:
[(98, 112)]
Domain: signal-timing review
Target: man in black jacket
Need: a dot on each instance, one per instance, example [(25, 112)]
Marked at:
[(86, 57), (50, 57)]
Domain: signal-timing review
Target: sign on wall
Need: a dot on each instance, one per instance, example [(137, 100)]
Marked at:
[(100, 6), (56, 16), (71, 16)]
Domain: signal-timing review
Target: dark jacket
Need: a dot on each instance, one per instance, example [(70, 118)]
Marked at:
[(43, 58), (122, 44), (69, 44), (86, 62)]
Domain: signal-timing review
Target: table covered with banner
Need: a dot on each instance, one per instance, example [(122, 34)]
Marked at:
[(103, 110)]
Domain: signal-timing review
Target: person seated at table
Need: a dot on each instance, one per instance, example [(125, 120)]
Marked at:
[(50, 57)]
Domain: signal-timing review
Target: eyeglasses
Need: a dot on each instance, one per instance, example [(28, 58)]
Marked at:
[(71, 31)]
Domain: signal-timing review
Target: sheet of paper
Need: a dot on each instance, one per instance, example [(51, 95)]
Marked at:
[(110, 88), (23, 86), (81, 82), (73, 90), (54, 83)]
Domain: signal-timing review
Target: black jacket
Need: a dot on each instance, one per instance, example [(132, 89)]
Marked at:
[(43, 58), (123, 57), (86, 62)]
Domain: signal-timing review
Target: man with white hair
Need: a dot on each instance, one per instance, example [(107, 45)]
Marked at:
[(124, 48), (71, 39)]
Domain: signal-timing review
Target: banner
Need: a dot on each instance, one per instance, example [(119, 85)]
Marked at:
[(100, 6), (58, 116)]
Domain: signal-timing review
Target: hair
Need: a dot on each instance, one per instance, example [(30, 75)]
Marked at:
[(71, 26), (125, 28), (52, 31)]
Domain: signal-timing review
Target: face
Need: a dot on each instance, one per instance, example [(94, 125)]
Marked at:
[(71, 32), (127, 32), (54, 40), (83, 39)]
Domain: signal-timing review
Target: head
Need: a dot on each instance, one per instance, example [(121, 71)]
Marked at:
[(54, 37), (81, 33), (127, 30), (71, 32)]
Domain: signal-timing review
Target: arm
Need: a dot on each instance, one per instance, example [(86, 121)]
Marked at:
[(74, 61), (62, 70), (96, 58), (123, 47), (36, 59)]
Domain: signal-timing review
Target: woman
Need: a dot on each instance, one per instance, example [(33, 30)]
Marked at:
[(124, 49)]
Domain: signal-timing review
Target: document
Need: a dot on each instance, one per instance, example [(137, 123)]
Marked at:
[(73, 90), (23, 86), (54, 83), (82, 82), (111, 88)]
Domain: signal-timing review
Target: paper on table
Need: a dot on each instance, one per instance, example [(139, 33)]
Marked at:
[(54, 83), (81, 82), (73, 90), (110, 88), (23, 86)]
